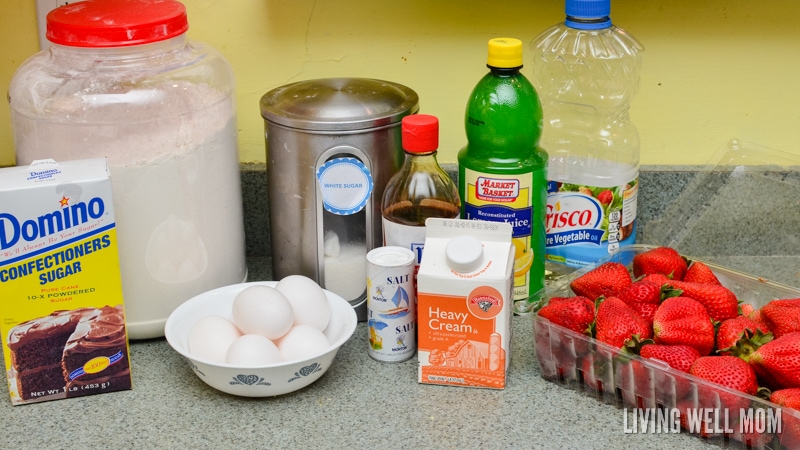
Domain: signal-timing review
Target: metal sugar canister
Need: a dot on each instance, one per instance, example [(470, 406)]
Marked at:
[(332, 146)]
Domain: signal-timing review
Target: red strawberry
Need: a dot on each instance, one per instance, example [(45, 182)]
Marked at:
[(634, 379), (605, 197), (782, 316), (731, 330), (746, 309), (699, 272), (604, 280), (747, 429), (749, 311), (546, 347), (558, 350), (663, 260), (720, 301), (657, 278), (679, 357), (684, 321), (727, 371), (616, 323), (575, 313), (692, 420), (640, 292), (596, 373), (777, 362), (646, 311), (644, 297), (789, 398)]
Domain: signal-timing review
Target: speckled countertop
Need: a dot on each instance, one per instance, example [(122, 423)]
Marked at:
[(358, 403)]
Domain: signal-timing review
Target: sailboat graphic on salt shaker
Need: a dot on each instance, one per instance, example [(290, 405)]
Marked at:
[(401, 302)]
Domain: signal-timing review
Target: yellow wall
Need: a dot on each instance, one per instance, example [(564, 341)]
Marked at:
[(713, 69)]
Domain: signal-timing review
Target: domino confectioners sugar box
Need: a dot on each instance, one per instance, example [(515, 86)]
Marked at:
[(61, 307)]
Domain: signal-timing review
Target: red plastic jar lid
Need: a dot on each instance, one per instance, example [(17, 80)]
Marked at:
[(420, 133), (116, 23)]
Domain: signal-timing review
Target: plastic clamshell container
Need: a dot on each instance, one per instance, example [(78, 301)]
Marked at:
[(750, 199), (741, 211)]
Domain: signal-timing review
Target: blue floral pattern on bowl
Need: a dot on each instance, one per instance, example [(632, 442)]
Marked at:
[(249, 380), (196, 369), (306, 371)]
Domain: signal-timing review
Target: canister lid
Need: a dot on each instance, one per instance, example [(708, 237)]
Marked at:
[(116, 23), (339, 104)]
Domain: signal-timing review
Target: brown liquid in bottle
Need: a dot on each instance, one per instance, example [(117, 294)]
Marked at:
[(407, 213)]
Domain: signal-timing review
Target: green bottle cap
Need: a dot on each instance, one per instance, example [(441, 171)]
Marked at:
[(505, 53)]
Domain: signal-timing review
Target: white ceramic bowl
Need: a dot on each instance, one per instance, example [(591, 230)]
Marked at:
[(262, 380)]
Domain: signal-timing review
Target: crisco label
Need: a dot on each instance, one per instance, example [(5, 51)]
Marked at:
[(585, 223), (574, 217), (518, 200)]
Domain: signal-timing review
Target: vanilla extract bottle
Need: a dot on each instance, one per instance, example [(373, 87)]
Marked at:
[(419, 190)]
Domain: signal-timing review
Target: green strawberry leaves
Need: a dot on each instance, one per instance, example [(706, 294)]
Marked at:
[(748, 343)]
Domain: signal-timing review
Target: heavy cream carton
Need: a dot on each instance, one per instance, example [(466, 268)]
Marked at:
[(464, 309), (61, 307)]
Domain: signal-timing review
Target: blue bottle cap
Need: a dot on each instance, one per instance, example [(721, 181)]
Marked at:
[(588, 14)]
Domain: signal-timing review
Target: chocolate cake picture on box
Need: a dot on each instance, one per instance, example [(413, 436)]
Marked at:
[(69, 354)]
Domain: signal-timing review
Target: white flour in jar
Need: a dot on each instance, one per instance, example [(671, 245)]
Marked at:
[(176, 187)]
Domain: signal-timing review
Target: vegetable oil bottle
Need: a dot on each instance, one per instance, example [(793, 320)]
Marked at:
[(586, 71)]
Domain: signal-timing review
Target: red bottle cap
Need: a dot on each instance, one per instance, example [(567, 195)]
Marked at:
[(420, 133), (116, 23)]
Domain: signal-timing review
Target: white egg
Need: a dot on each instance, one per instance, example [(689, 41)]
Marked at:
[(301, 342), (262, 310), (309, 302), (336, 327), (211, 336), (252, 350)]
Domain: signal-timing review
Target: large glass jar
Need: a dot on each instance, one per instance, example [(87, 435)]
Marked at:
[(121, 80)]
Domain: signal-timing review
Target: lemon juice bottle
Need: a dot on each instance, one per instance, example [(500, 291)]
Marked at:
[(502, 169)]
